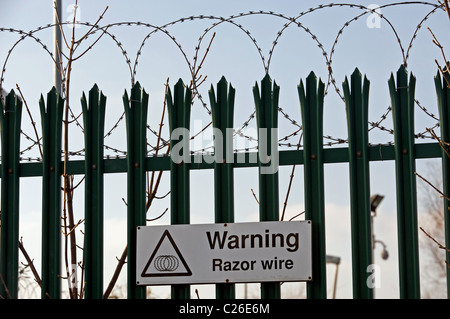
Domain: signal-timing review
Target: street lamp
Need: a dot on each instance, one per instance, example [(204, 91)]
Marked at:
[(384, 253), (375, 201)]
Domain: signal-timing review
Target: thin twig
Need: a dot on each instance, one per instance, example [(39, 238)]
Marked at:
[(442, 143), (92, 45), (194, 82), (6, 288), (74, 227), (68, 180), (79, 183), (204, 56), (437, 243), (434, 187), (94, 25), (116, 274), (152, 194), (446, 5), (30, 263), (75, 7), (60, 27), (290, 182), (83, 283), (33, 123), (162, 197), (254, 195), (436, 42), (201, 131), (295, 216), (166, 86), (156, 218)]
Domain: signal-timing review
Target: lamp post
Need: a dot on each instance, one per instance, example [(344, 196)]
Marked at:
[(334, 260), (375, 201)]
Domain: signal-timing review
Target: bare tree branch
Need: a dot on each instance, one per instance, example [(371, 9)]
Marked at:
[(116, 274), (30, 263), (434, 187), (33, 123), (437, 243), (6, 288)]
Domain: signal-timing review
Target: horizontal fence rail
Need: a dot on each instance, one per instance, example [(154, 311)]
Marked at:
[(313, 156)]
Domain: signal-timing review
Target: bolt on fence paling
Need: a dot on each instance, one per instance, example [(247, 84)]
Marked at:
[(10, 122), (51, 118), (402, 101), (222, 111), (266, 104), (94, 123), (179, 109), (136, 109), (311, 97), (357, 102)]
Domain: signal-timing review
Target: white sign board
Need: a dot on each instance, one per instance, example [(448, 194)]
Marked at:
[(220, 253)]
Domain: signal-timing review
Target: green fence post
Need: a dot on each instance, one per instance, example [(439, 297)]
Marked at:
[(443, 98), (356, 96), (311, 105), (51, 119), (94, 124), (179, 110), (402, 102), (266, 104), (10, 121), (136, 109), (222, 118)]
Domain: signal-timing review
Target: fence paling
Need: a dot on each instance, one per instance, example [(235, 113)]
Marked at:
[(266, 104), (94, 123), (402, 102), (10, 121), (443, 98), (51, 119), (136, 108), (357, 103), (222, 110), (311, 106), (179, 111)]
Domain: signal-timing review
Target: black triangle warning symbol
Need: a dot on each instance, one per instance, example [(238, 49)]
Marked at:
[(166, 260)]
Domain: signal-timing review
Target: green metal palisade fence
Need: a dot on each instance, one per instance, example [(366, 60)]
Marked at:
[(313, 157)]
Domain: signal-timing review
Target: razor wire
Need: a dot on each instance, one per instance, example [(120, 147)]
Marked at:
[(193, 65)]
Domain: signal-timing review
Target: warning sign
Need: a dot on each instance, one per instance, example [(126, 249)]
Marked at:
[(166, 260), (217, 253)]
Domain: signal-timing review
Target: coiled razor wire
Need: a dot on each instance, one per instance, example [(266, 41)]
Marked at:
[(193, 65)]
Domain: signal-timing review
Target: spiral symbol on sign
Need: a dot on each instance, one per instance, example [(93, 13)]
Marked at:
[(166, 263)]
